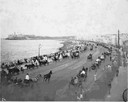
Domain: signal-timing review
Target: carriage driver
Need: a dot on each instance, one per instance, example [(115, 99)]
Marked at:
[(83, 72), (27, 78), (76, 80)]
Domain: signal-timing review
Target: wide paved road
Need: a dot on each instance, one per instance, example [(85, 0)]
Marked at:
[(58, 89), (65, 66)]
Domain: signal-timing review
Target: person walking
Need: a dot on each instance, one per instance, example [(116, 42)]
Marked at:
[(110, 58), (95, 77), (117, 72), (109, 90), (80, 95)]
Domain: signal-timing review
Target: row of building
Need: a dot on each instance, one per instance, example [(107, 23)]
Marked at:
[(111, 38)]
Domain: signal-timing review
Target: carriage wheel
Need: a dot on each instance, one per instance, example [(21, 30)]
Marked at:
[(124, 95)]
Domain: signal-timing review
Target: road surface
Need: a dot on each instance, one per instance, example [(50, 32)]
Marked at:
[(58, 88)]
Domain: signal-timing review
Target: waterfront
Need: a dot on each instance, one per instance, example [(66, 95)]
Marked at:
[(18, 49), (58, 88)]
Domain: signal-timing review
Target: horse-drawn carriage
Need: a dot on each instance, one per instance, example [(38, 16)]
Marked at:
[(89, 57), (75, 82), (80, 77), (75, 54), (25, 82), (13, 70), (29, 66), (94, 66), (107, 53), (82, 74), (91, 48), (102, 57), (43, 62)]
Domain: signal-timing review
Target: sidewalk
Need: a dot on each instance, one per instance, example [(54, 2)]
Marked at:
[(119, 84), (100, 90)]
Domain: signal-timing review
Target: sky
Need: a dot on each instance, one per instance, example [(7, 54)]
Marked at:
[(81, 18)]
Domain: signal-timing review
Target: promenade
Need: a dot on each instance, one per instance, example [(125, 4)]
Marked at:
[(57, 89)]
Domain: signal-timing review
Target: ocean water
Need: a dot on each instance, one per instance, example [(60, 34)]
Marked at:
[(19, 49)]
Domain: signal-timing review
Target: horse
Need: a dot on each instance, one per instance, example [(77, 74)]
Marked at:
[(30, 66), (14, 71), (75, 82), (47, 76)]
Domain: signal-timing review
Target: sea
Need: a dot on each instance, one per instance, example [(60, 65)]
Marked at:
[(19, 49)]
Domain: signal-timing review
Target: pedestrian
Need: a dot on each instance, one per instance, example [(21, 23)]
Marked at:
[(117, 72), (109, 86), (3, 99), (110, 58), (80, 96), (109, 67), (94, 77)]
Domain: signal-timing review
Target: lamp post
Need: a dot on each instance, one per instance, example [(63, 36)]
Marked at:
[(118, 48), (118, 39), (39, 49)]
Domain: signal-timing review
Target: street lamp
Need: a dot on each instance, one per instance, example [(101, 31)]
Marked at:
[(119, 59), (39, 49)]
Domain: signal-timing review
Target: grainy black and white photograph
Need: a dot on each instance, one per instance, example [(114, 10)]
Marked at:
[(64, 50)]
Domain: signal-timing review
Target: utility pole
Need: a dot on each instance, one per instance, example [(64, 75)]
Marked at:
[(119, 59), (39, 49), (118, 39)]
